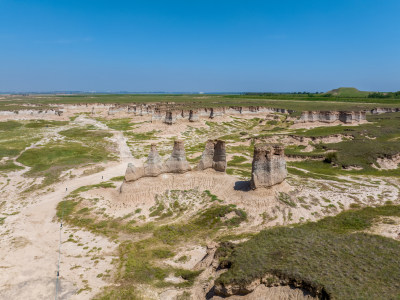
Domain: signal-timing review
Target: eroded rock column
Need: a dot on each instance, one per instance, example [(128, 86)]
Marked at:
[(153, 165), (214, 156), (177, 163), (269, 166), (193, 116), (219, 158)]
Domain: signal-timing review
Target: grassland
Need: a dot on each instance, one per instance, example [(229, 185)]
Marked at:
[(15, 137), (333, 256), (80, 146), (377, 139), (296, 102), (348, 92)]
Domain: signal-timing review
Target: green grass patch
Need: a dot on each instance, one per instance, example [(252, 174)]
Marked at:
[(119, 124), (9, 166), (118, 178), (331, 255)]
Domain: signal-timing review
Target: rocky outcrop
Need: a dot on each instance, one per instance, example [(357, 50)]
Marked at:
[(384, 110), (169, 113), (157, 115), (214, 156), (217, 112), (193, 116), (295, 289), (177, 162), (219, 159), (132, 173), (153, 165), (346, 117), (269, 166), (170, 117)]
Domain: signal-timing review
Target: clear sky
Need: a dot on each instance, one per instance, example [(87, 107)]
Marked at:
[(208, 46)]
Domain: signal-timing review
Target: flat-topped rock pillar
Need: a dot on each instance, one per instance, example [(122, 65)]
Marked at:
[(269, 166)]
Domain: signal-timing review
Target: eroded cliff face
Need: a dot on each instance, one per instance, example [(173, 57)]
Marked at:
[(290, 289), (169, 113), (384, 110), (214, 156), (177, 162), (268, 167), (346, 117)]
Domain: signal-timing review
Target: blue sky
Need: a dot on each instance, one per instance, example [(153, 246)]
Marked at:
[(209, 46)]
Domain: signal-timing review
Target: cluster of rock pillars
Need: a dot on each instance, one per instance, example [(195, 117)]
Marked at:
[(268, 167)]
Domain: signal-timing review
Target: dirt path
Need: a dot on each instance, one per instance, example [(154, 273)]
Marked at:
[(30, 240)]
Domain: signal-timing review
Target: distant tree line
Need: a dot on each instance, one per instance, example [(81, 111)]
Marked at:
[(288, 93), (384, 95)]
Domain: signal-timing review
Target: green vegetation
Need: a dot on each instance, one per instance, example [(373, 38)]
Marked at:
[(133, 136), (118, 124), (348, 92), (124, 292), (8, 166), (81, 146), (346, 100), (45, 123), (118, 178), (361, 150), (331, 255), (14, 138)]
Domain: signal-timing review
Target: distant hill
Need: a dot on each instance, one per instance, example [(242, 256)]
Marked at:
[(348, 92)]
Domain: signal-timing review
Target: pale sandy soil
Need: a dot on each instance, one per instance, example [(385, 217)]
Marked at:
[(388, 163), (388, 227)]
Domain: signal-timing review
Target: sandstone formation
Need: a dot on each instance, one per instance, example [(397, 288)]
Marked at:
[(214, 156), (153, 165), (346, 117), (193, 115), (384, 110), (177, 162), (170, 117), (217, 112), (170, 112), (132, 173), (269, 166)]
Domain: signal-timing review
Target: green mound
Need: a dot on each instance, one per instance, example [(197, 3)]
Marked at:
[(332, 255), (348, 92)]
